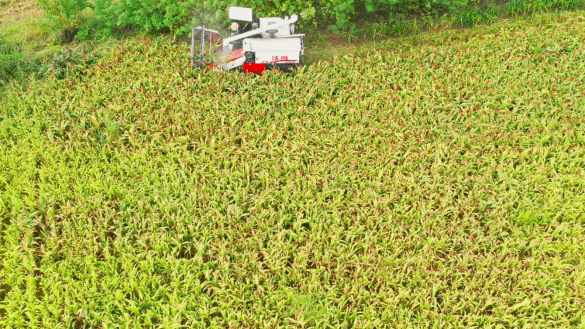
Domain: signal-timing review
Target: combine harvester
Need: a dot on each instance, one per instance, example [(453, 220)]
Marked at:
[(270, 42)]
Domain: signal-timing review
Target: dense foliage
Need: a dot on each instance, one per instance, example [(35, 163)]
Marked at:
[(89, 18), (435, 181), (14, 64)]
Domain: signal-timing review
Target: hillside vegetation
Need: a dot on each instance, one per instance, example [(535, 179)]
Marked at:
[(430, 181), (88, 19)]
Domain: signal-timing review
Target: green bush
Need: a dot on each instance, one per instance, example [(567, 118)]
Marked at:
[(101, 18)]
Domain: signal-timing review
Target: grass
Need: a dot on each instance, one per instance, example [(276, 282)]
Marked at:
[(4, 3), (434, 180), (23, 41)]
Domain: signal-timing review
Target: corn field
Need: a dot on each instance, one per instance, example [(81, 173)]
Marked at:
[(430, 181)]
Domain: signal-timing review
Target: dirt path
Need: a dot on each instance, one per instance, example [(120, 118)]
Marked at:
[(15, 12)]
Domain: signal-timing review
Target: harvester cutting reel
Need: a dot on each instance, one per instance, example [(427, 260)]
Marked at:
[(268, 43)]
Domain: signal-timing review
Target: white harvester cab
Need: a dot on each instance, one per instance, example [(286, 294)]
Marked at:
[(263, 43)]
